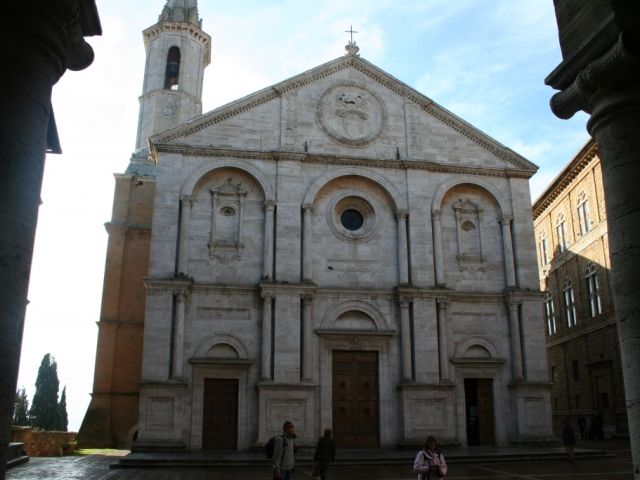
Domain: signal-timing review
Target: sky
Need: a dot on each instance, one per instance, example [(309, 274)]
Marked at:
[(485, 61)]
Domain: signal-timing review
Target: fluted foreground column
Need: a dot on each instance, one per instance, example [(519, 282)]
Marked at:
[(442, 339), (39, 39), (608, 88)]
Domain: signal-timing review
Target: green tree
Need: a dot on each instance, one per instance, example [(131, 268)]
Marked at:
[(63, 418), (21, 408), (44, 408)]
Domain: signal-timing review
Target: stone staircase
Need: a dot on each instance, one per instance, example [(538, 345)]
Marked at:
[(16, 455), (304, 457)]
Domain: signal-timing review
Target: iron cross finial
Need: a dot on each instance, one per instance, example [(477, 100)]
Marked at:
[(351, 31)]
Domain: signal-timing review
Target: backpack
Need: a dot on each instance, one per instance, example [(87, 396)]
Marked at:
[(270, 446)]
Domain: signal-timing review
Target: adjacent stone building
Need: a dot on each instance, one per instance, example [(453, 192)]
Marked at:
[(336, 250), (575, 275)]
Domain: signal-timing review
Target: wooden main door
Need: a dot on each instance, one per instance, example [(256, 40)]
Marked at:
[(355, 399), (478, 394), (220, 414)]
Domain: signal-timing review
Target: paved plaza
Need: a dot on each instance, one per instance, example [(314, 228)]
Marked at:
[(617, 466)]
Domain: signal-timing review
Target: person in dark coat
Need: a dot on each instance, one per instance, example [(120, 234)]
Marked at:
[(568, 439), (325, 453)]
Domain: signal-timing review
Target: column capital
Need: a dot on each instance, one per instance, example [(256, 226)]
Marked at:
[(617, 67), (436, 214), (307, 208), (506, 220), (443, 302), (269, 205), (402, 214), (404, 301), (181, 293), (186, 200), (307, 297)]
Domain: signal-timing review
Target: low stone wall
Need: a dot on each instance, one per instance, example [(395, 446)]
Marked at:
[(44, 444)]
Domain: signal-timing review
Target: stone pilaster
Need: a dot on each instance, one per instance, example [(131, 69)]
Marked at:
[(405, 339), (266, 336), (185, 220), (443, 355), (509, 264), (178, 333), (515, 341), (307, 359), (437, 247), (403, 260), (307, 258), (267, 268)]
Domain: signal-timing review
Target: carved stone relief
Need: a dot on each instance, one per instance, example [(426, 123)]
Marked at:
[(351, 115)]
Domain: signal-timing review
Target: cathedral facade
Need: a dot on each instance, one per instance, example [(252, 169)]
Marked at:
[(336, 250)]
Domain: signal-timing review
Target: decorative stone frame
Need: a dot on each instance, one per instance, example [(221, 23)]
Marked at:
[(355, 201), (468, 213), (225, 198)]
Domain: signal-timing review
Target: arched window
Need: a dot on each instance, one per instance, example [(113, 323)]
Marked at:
[(550, 314), (172, 72), (593, 290), (561, 231), (569, 304), (544, 249), (583, 213)]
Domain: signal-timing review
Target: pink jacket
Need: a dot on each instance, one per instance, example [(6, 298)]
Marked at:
[(424, 463)]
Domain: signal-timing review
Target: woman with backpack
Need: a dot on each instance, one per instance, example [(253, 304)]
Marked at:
[(430, 463)]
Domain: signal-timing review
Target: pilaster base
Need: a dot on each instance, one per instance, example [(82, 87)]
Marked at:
[(427, 409), (297, 403)]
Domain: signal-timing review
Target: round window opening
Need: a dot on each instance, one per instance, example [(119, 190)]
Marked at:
[(352, 219)]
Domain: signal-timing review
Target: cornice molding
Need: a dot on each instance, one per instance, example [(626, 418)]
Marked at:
[(426, 165), (381, 77), (564, 179)]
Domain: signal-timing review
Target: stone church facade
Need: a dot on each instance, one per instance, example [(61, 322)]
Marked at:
[(336, 250)]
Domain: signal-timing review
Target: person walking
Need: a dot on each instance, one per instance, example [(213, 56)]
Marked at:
[(430, 463), (284, 452), (325, 452), (568, 439)]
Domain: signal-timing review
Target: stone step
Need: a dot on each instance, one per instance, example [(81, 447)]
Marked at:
[(16, 454), (347, 457)]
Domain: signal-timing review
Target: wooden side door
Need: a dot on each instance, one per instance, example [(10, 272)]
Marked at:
[(220, 414), (485, 411), (355, 399)]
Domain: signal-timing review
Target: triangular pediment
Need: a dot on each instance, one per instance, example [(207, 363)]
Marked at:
[(346, 107)]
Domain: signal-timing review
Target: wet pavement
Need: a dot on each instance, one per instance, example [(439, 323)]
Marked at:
[(617, 466)]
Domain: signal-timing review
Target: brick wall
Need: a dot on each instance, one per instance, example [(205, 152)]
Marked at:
[(44, 444)]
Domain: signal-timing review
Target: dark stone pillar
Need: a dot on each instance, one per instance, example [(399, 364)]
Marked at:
[(600, 74), (39, 40)]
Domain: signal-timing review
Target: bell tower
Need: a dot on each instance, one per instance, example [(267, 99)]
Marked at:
[(178, 51)]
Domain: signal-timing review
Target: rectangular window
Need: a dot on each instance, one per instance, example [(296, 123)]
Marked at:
[(561, 230), (575, 370), (550, 315), (544, 257), (593, 289), (569, 306), (583, 217)]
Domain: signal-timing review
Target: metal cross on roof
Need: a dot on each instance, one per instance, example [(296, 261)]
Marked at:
[(351, 31)]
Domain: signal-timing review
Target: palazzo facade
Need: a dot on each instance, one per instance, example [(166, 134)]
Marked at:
[(336, 250)]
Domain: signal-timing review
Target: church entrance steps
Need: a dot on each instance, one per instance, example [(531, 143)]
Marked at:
[(360, 457)]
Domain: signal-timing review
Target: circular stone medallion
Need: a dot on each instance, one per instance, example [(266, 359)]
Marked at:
[(351, 115)]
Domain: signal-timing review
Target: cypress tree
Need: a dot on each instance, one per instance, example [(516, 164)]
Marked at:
[(63, 418), (44, 408), (21, 408)]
